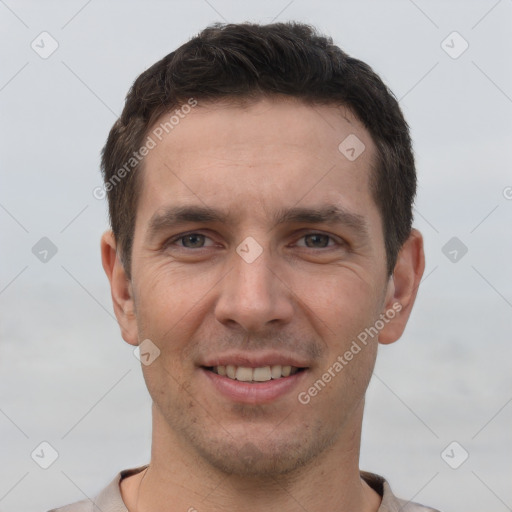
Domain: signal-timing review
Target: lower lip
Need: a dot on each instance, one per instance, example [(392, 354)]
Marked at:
[(254, 393)]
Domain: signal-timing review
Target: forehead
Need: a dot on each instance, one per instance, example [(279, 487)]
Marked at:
[(256, 157)]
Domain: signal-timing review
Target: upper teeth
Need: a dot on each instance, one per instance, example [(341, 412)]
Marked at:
[(260, 374)]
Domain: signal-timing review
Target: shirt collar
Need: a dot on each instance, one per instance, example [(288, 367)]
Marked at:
[(110, 499)]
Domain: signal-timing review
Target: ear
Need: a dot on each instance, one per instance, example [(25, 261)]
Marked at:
[(120, 288), (403, 287)]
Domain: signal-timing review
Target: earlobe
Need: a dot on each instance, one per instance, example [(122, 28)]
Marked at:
[(403, 287), (120, 288)]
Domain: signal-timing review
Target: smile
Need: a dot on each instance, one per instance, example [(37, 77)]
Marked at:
[(254, 385), (259, 374)]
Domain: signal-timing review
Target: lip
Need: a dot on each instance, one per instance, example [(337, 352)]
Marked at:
[(253, 393), (255, 360)]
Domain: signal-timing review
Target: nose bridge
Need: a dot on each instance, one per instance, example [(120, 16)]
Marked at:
[(251, 294), (252, 279)]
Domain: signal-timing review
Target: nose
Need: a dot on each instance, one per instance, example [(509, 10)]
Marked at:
[(254, 295)]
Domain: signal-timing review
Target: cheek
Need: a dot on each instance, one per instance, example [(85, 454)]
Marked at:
[(167, 298), (342, 309), (166, 315), (341, 305), (171, 306)]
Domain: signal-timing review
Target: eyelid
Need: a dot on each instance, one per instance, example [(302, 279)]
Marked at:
[(332, 238), (176, 238)]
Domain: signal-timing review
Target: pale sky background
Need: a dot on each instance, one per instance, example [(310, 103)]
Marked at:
[(66, 375)]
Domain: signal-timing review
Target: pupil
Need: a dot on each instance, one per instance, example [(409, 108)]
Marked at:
[(192, 238), (317, 237)]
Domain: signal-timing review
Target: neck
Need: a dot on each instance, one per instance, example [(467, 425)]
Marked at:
[(179, 479)]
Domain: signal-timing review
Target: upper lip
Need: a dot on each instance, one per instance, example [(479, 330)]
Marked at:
[(254, 360)]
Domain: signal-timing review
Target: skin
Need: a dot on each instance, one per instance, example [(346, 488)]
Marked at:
[(304, 295)]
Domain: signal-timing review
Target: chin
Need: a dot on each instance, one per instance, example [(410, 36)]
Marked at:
[(265, 457)]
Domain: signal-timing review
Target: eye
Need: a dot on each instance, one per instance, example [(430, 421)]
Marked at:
[(317, 241), (190, 240)]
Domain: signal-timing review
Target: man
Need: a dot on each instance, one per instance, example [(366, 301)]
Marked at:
[(260, 185)]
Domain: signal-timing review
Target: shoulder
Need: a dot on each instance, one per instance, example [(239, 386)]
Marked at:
[(410, 506), (390, 502), (79, 506), (108, 500)]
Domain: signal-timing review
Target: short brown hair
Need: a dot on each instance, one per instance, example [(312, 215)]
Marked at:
[(247, 61)]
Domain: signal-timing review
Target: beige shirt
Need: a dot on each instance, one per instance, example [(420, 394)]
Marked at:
[(110, 499)]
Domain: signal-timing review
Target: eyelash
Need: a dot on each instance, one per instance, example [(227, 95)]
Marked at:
[(175, 239)]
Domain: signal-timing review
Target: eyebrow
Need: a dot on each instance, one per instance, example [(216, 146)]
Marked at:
[(176, 215), (326, 214)]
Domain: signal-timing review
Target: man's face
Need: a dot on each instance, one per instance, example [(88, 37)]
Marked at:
[(257, 289)]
